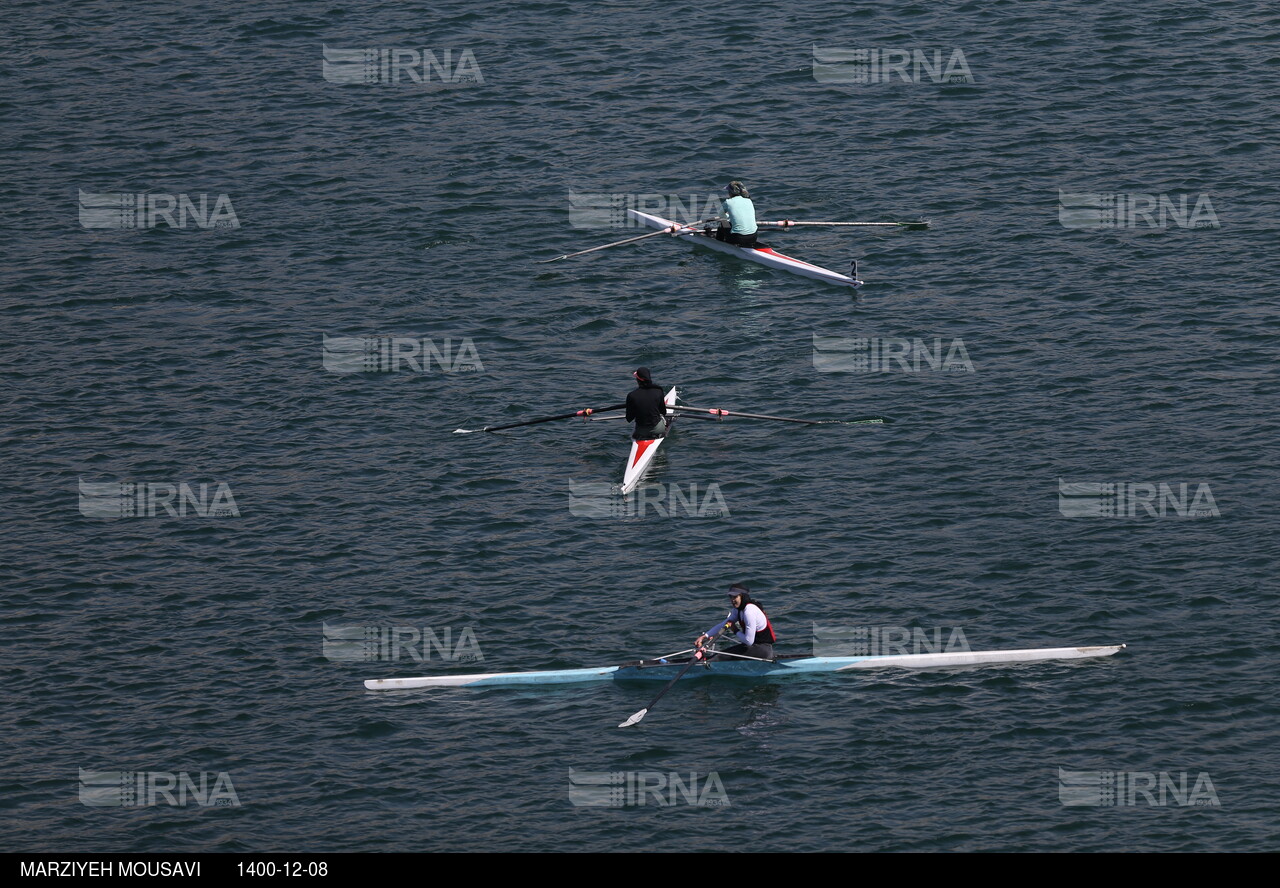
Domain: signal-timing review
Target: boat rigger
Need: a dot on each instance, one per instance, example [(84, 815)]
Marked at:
[(643, 452)]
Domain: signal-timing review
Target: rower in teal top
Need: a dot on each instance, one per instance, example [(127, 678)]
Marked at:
[(741, 230)]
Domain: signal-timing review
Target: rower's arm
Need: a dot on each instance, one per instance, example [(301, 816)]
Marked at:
[(733, 615)]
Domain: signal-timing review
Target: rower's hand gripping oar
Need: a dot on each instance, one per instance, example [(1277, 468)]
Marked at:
[(718, 413), (677, 228), (699, 656), (909, 226), (590, 411)]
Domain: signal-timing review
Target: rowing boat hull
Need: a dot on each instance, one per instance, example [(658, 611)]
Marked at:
[(655, 670), (644, 452), (763, 256)]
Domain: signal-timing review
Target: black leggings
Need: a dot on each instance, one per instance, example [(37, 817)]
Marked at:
[(724, 233)]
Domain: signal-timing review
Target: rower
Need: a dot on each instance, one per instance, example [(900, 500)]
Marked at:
[(741, 229), (748, 623), (647, 407)]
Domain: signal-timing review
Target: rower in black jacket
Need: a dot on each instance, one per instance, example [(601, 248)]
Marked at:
[(646, 407)]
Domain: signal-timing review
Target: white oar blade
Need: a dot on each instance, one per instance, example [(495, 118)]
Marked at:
[(466, 431), (635, 718)]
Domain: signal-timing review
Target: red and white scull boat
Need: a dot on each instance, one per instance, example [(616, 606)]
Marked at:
[(643, 452), (763, 255)]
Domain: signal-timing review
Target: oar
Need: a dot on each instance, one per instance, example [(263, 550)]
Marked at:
[(910, 226), (698, 657), (514, 425), (718, 412), (672, 229)]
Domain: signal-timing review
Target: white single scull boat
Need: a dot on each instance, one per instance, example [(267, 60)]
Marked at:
[(643, 452), (762, 254), (668, 669)]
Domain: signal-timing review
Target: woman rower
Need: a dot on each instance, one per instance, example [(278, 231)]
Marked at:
[(748, 623), (741, 229)]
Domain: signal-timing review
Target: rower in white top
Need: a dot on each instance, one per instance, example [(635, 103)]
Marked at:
[(746, 622)]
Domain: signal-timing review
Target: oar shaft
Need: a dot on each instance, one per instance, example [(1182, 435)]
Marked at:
[(699, 656), (676, 654), (720, 413), (741, 657), (788, 223), (528, 422), (630, 240)]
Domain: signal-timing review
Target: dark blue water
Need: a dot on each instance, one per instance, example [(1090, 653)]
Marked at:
[(1130, 353)]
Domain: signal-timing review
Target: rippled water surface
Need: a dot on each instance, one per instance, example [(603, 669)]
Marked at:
[(1142, 355)]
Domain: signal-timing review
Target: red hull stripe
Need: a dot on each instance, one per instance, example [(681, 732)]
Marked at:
[(772, 252), (641, 447)]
